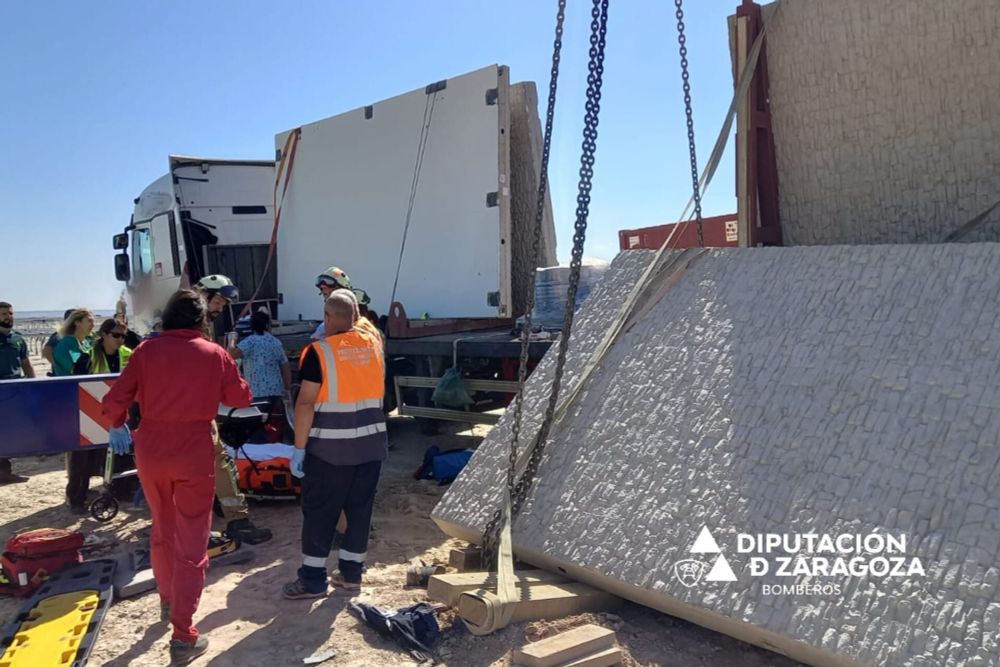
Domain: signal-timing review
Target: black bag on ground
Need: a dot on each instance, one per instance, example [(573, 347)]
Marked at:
[(414, 627)]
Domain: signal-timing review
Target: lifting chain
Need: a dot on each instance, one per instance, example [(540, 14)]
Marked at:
[(519, 488), (685, 78)]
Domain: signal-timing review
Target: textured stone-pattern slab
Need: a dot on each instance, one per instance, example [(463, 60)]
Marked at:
[(885, 120), (826, 389)]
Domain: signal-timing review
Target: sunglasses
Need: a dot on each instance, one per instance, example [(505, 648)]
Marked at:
[(116, 336)]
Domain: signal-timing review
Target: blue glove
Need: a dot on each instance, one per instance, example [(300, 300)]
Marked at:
[(121, 439), (298, 459)]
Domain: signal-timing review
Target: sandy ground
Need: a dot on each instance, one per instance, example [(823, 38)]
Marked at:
[(248, 623)]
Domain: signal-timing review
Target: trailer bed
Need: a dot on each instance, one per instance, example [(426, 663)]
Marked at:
[(491, 343)]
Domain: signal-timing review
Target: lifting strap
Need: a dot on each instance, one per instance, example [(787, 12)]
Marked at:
[(500, 606)]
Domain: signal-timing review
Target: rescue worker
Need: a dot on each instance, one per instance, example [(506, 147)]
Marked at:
[(174, 452), (218, 292), (108, 355), (340, 443), (14, 363), (335, 278)]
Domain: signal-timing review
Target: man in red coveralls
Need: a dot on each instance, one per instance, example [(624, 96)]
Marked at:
[(178, 379)]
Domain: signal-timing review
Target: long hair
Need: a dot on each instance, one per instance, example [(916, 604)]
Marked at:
[(185, 310), (69, 326), (98, 361)]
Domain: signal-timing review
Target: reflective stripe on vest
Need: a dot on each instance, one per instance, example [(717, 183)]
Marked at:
[(353, 371)]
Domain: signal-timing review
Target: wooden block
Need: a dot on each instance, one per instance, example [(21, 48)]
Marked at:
[(544, 601), (466, 559), (605, 658), (566, 646), (447, 587)]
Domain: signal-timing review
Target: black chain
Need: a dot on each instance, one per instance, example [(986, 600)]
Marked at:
[(685, 78), (519, 489), (490, 533)]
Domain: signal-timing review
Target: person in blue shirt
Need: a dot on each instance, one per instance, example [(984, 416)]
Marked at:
[(265, 364)]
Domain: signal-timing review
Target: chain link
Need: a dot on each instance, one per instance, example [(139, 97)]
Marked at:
[(519, 489), (685, 78)]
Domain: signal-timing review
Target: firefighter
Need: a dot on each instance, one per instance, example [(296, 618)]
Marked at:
[(335, 278), (219, 291), (178, 379), (340, 443)]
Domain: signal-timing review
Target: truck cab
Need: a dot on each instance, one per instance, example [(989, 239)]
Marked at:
[(203, 216)]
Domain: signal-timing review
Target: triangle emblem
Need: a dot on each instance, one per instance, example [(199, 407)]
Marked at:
[(705, 544), (721, 571)]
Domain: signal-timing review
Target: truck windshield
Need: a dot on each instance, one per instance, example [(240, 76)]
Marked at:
[(142, 254)]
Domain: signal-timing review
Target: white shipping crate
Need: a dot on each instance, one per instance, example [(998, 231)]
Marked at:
[(349, 192)]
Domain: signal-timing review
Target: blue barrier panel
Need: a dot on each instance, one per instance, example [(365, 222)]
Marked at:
[(44, 415)]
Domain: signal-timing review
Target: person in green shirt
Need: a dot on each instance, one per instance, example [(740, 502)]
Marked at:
[(14, 363), (75, 342)]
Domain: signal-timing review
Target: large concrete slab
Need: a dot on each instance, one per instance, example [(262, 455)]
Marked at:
[(884, 115), (831, 390)]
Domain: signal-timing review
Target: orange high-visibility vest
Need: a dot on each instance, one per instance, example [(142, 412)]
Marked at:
[(349, 424)]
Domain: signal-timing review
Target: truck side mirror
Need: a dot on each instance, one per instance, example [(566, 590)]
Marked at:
[(123, 270), (120, 241)]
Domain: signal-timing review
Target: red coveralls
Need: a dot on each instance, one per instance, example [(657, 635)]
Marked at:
[(178, 379)]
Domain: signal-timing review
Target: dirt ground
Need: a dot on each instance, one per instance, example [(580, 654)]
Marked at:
[(248, 623)]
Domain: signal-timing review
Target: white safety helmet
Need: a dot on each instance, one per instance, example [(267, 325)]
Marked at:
[(334, 277), (218, 284)]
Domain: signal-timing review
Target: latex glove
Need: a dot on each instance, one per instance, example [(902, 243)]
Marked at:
[(298, 459), (121, 439)]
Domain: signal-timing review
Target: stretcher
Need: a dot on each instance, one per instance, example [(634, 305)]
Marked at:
[(263, 469), (59, 624)]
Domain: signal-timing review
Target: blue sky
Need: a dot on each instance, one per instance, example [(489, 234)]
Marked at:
[(96, 95)]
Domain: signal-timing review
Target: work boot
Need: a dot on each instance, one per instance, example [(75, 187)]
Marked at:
[(183, 653), (247, 533)]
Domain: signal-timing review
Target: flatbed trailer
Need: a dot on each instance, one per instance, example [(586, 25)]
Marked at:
[(488, 360)]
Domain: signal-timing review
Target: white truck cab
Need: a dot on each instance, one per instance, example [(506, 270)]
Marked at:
[(204, 216)]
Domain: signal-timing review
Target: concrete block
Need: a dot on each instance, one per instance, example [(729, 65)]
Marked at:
[(882, 117), (723, 435)]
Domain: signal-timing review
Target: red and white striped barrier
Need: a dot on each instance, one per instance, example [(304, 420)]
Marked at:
[(93, 426)]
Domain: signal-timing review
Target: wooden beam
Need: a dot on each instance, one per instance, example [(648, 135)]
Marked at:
[(465, 559), (605, 658), (447, 588), (744, 202), (566, 646), (543, 601)]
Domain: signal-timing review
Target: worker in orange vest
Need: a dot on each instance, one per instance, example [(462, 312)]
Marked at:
[(340, 443)]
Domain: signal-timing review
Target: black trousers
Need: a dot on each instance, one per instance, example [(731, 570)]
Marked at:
[(81, 465), (5, 468), (326, 491)]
